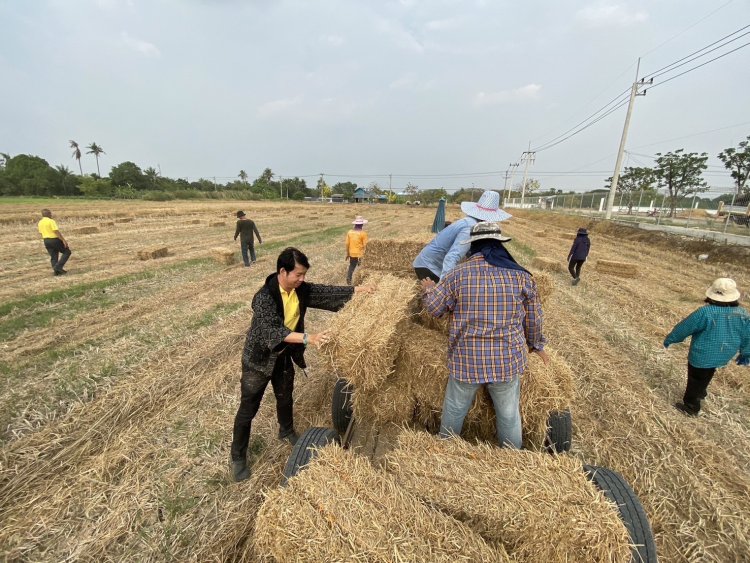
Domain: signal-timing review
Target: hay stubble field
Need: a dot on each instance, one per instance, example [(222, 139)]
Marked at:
[(119, 381)]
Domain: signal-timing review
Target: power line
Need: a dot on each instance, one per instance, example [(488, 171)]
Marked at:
[(694, 135)]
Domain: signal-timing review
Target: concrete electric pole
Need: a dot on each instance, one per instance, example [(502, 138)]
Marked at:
[(616, 175), (512, 167), (527, 156)]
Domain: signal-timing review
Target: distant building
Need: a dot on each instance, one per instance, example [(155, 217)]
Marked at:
[(362, 195)]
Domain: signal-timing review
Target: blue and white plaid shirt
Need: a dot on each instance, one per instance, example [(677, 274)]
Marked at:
[(497, 316)]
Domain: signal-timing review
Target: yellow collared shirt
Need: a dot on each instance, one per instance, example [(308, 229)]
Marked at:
[(291, 308), (47, 228)]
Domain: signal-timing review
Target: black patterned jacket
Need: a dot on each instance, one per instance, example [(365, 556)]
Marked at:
[(265, 338)]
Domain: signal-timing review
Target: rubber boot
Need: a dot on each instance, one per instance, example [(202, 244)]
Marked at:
[(240, 471)]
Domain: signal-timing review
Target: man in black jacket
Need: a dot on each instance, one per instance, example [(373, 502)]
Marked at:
[(275, 342)]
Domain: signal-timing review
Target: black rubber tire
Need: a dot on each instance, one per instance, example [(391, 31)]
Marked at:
[(303, 451), (341, 405), (617, 490), (560, 432)]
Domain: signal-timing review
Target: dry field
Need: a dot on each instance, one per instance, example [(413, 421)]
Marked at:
[(119, 381)]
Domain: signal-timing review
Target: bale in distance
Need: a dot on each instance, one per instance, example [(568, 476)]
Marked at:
[(107, 224), (540, 233), (547, 264), (620, 269), (339, 508), (216, 223), (89, 230), (224, 256), (539, 507), (124, 220), (152, 253)]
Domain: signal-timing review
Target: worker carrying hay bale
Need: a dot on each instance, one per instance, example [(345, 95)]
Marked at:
[(620, 269), (152, 253), (339, 508), (540, 508), (224, 256)]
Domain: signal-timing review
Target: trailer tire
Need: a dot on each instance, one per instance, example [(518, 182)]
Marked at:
[(304, 450), (559, 432), (616, 489), (341, 405)]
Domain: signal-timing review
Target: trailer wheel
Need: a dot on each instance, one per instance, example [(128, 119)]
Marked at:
[(616, 489), (560, 432), (341, 405), (303, 451)]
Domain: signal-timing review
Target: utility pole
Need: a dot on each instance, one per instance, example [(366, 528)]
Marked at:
[(390, 189), (526, 156), (214, 183), (512, 167), (616, 175), (281, 187)]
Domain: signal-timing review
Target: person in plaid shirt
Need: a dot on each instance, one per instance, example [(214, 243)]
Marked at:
[(718, 330), (497, 317)]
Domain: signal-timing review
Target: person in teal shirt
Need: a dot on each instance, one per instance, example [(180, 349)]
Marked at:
[(719, 330)]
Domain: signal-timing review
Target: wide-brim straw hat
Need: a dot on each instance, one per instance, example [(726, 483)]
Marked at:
[(486, 209), (723, 290), (359, 220), (486, 230)]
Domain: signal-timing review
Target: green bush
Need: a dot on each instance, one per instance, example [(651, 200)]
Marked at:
[(157, 196), (188, 194)]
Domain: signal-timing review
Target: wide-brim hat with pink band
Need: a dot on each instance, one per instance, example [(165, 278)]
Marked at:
[(359, 220), (486, 209)]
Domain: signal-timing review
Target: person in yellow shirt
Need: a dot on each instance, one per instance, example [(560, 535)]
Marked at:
[(54, 242), (356, 241)]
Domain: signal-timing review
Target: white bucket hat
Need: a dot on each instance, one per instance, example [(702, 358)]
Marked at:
[(486, 209), (723, 290), (486, 230), (359, 220)]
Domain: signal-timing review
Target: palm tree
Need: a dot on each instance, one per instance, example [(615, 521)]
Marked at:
[(151, 174), (76, 154), (64, 172), (96, 150), (243, 176)]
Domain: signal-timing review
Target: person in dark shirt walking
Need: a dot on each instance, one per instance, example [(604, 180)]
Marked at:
[(578, 254), (245, 230)]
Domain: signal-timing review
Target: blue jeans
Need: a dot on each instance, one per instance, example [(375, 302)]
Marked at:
[(505, 395), (247, 246)]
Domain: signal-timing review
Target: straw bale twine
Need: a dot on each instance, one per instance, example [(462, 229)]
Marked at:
[(620, 269), (124, 220), (107, 224), (547, 264), (216, 223), (151, 253), (539, 507), (365, 333), (224, 256), (339, 508), (85, 230), (392, 256)]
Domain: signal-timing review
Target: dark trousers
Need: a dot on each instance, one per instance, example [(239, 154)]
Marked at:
[(698, 380), (574, 267), (252, 387), (424, 273), (58, 252), (353, 263), (248, 246)]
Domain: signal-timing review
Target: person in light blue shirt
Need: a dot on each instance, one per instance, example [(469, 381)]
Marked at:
[(718, 330), (450, 245)]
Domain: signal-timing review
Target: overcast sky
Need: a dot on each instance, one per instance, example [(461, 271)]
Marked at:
[(359, 90)]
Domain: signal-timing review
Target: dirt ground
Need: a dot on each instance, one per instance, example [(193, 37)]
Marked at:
[(119, 381)]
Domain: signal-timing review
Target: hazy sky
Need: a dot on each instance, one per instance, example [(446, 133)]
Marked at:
[(424, 90)]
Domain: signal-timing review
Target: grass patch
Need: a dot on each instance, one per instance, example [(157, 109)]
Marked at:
[(208, 318), (519, 249)]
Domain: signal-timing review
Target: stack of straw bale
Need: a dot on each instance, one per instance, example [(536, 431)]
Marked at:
[(151, 253), (342, 509), (224, 256), (85, 230), (547, 264), (621, 269), (539, 507), (366, 332)]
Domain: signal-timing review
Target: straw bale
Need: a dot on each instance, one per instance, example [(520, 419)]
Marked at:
[(224, 256), (392, 256), (365, 333), (547, 264), (194, 221), (151, 253), (124, 220), (545, 287), (339, 508), (540, 233), (621, 269), (107, 224), (85, 230), (540, 507), (216, 223)]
